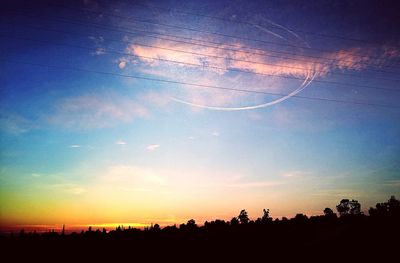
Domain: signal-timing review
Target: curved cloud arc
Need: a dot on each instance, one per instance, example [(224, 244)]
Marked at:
[(307, 81), (304, 85)]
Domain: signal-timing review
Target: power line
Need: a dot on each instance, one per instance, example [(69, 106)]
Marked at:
[(248, 23), (206, 55), (123, 30), (141, 20), (112, 29), (204, 66), (195, 84)]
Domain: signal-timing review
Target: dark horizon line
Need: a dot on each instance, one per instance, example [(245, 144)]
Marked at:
[(346, 208)]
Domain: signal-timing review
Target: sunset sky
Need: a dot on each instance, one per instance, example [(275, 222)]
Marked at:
[(146, 112)]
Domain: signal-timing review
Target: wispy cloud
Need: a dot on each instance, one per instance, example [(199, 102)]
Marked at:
[(295, 174), (256, 184), (301, 119), (75, 146), (69, 188), (122, 64), (99, 51), (97, 39), (120, 142), (217, 61), (132, 176), (159, 99), (215, 133), (394, 183), (76, 190), (152, 147), (14, 123), (237, 56), (95, 111), (337, 193)]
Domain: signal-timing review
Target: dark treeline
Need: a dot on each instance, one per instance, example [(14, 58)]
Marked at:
[(347, 235)]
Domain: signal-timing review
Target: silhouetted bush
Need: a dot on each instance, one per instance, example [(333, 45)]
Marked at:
[(316, 235)]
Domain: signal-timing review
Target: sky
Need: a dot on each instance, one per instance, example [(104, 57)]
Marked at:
[(142, 112)]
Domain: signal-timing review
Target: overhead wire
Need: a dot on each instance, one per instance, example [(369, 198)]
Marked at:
[(204, 66), (150, 34), (141, 20), (238, 21), (64, 67), (105, 27), (136, 43)]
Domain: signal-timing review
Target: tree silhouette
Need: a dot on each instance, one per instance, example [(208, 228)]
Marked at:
[(300, 218), (347, 207), (355, 207), (324, 234), (393, 206), (234, 221), (389, 208), (266, 218), (328, 212), (243, 217), (191, 224), (343, 207)]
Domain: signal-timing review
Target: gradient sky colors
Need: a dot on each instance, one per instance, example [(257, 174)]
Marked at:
[(81, 146)]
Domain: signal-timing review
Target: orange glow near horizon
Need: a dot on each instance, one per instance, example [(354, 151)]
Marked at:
[(198, 118)]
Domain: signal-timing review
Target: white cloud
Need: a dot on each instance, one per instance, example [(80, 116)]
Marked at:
[(99, 51), (131, 177), (235, 56), (36, 175), (152, 147), (120, 142), (97, 39), (215, 133), (75, 146), (293, 174)]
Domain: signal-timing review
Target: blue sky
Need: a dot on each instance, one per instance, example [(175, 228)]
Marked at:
[(84, 147)]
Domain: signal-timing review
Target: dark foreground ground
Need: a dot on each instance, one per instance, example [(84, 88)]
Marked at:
[(318, 239)]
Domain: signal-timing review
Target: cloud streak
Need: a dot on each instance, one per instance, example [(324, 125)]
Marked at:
[(152, 147), (213, 63), (95, 111), (15, 124), (131, 176), (120, 142)]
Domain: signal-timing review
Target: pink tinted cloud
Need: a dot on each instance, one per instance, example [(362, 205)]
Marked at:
[(237, 56), (232, 56), (122, 64), (350, 59), (218, 59), (152, 147)]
